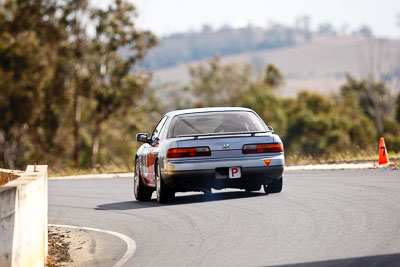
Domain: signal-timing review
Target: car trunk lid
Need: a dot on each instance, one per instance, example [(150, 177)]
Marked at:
[(225, 146)]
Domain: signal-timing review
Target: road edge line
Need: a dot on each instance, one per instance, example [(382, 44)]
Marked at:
[(130, 243), (94, 176)]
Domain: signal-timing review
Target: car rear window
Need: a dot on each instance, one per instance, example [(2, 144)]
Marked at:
[(215, 122)]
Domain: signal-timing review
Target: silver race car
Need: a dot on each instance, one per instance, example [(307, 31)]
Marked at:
[(200, 149)]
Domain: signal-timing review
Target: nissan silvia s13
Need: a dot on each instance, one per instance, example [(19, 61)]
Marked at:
[(204, 148)]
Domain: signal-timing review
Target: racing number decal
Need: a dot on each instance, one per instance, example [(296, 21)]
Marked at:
[(383, 150)]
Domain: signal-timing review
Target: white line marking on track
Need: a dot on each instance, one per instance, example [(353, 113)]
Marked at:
[(94, 176), (130, 243)]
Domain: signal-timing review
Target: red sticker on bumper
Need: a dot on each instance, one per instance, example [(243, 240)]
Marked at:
[(267, 162)]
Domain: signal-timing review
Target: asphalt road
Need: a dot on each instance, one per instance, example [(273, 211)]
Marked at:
[(321, 218)]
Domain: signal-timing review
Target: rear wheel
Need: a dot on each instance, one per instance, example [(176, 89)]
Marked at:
[(274, 187), (207, 192), (142, 192), (165, 194)]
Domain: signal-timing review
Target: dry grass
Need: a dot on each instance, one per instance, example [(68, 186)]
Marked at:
[(99, 169), (339, 158), (8, 175)]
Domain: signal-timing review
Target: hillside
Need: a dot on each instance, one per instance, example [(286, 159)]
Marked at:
[(318, 65), (185, 47)]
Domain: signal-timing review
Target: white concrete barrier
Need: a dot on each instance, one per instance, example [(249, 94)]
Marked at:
[(23, 218)]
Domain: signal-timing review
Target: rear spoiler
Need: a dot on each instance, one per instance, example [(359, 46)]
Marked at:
[(196, 136)]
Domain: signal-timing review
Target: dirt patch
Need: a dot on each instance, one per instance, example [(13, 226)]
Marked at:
[(8, 175), (70, 247), (58, 253)]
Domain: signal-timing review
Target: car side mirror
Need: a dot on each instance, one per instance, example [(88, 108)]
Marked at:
[(271, 129), (142, 137)]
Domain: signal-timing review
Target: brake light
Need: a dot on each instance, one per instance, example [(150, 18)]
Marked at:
[(262, 148), (188, 152)]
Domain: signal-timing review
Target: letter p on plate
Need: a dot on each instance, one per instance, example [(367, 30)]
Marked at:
[(234, 172)]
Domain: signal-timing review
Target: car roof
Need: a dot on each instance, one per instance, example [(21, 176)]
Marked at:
[(202, 110)]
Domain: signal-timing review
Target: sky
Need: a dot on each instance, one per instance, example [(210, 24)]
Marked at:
[(164, 17)]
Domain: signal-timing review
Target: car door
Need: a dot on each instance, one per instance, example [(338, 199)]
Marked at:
[(151, 152)]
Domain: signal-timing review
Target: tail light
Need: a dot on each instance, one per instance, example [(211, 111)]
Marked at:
[(262, 148), (188, 152)]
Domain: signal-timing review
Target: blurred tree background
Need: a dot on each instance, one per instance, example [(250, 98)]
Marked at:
[(312, 126), (64, 86), (73, 92)]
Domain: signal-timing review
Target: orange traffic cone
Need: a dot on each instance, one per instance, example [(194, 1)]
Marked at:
[(383, 155)]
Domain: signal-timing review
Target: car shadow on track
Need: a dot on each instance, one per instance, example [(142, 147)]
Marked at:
[(179, 200), (386, 260)]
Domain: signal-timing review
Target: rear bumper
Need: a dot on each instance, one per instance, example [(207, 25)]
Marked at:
[(195, 175)]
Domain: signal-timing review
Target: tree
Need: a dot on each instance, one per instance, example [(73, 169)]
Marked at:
[(398, 97), (317, 126), (302, 24), (365, 31), (373, 98), (31, 42), (220, 85), (234, 85), (262, 98), (114, 85), (75, 15), (398, 108), (51, 65), (273, 77), (326, 28)]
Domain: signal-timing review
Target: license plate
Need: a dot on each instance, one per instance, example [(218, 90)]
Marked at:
[(235, 172)]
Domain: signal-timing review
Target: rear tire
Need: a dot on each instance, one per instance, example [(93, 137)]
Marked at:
[(141, 192), (165, 194), (274, 187), (207, 192)]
